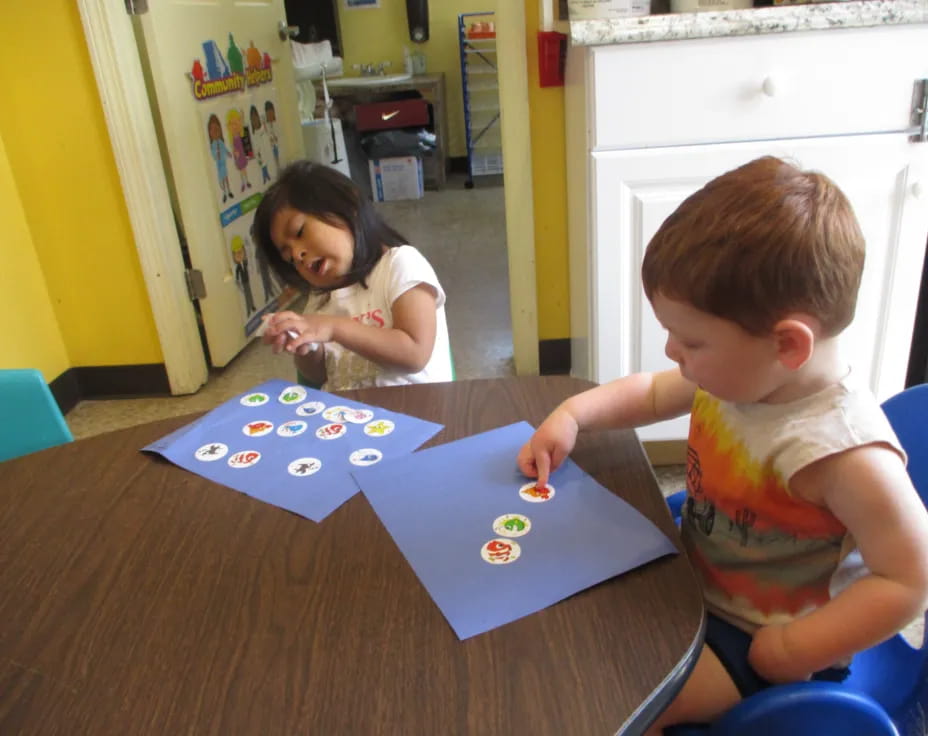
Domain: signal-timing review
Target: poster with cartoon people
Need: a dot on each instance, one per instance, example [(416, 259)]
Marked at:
[(239, 128), (260, 289)]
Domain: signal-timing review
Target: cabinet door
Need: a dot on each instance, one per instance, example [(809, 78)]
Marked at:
[(884, 177)]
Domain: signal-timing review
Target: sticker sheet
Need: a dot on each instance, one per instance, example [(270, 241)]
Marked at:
[(292, 446), (489, 546)]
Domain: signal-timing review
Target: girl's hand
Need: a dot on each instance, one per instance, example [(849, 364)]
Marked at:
[(771, 658), (548, 447), (309, 329)]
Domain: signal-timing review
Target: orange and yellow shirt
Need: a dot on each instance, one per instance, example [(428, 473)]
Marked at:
[(765, 555)]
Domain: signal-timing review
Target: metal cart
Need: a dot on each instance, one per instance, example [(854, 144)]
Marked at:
[(480, 85)]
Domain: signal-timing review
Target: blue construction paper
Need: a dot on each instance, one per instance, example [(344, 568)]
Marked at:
[(439, 505), (313, 496)]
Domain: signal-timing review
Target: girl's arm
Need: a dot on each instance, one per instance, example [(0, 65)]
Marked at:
[(407, 346), (869, 491), (641, 398)]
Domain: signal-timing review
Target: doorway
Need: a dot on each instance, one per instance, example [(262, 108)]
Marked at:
[(110, 38)]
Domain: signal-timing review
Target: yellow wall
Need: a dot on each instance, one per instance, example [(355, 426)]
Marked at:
[(32, 338), (62, 168), (73, 288), (549, 185), (373, 35)]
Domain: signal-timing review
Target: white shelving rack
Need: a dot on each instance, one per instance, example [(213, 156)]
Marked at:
[(480, 86)]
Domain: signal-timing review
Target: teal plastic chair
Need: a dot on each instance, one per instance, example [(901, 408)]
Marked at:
[(32, 418), (886, 693)]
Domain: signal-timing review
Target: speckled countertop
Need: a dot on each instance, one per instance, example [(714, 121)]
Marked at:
[(772, 19)]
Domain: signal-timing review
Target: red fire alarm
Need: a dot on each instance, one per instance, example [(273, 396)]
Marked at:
[(552, 54)]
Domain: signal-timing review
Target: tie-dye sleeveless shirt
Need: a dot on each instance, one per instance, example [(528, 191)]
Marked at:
[(765, 555)]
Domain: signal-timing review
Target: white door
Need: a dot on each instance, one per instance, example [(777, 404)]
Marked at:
[(226, 98), (885, 177)]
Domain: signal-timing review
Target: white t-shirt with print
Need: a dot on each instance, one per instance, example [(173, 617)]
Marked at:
[(399, 270)]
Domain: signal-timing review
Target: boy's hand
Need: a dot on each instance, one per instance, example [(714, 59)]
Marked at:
[(548, 447), (771, 658)]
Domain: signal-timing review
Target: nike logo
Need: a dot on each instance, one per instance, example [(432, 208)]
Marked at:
[(389, 115)]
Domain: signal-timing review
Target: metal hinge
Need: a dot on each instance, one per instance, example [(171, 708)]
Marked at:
[(919, 130), (136, 7), (196, 286)]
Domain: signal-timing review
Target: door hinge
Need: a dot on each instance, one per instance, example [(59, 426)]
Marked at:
[(136, 7), (196, 286), (919, 120)]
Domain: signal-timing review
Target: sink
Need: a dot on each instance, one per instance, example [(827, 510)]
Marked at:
[(375, 81)]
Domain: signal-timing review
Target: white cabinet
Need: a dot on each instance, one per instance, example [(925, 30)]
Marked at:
[(648, 124)]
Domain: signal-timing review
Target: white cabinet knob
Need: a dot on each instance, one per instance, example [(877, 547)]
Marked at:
[(770, 86), (918, 190)]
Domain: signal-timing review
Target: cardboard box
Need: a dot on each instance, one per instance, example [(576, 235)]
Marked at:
[(396, 178), (606, 9)]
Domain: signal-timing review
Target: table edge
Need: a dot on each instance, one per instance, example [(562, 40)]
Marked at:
[(646, 713)]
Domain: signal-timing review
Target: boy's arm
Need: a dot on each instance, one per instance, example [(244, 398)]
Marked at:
[(631, 401), (869, 491)]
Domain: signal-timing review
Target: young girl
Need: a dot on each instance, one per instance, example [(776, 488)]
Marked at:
[(376, 312)]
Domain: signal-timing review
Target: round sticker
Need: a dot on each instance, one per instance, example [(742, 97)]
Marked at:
[(292, 395), (310, 408), (210, 452), (512, 525), (536, 495), (292, 428), (304, 466), (379, 428), (359, 416), (365, 457), (258, 428), (331, 431), (244, 459), (336, 413), (500, 551), (255, 399)]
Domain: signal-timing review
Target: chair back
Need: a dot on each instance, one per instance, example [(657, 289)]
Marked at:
[(32, 418), (908, 414)]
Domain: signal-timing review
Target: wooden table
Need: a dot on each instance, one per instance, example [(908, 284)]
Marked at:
[(139, 598)]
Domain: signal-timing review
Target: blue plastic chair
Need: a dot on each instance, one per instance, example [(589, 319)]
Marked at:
[(32, 418), (887, 690)]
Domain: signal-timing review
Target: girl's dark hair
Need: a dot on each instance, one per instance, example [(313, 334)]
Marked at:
[(321, 191)]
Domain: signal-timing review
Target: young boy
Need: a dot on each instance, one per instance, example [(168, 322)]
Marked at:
[(800, 519)]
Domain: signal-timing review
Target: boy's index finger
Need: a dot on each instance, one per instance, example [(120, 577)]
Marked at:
[(543, 466)]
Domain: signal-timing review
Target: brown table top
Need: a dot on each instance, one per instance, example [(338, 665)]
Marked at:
[(139, 598)]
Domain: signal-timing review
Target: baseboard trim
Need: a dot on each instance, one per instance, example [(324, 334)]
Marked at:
[(554, 357), (66, 390), (109, 382)]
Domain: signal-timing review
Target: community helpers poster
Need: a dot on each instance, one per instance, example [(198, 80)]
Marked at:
[(238, 115)]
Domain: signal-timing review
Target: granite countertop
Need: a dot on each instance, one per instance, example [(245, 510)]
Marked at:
[(751, 21)]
